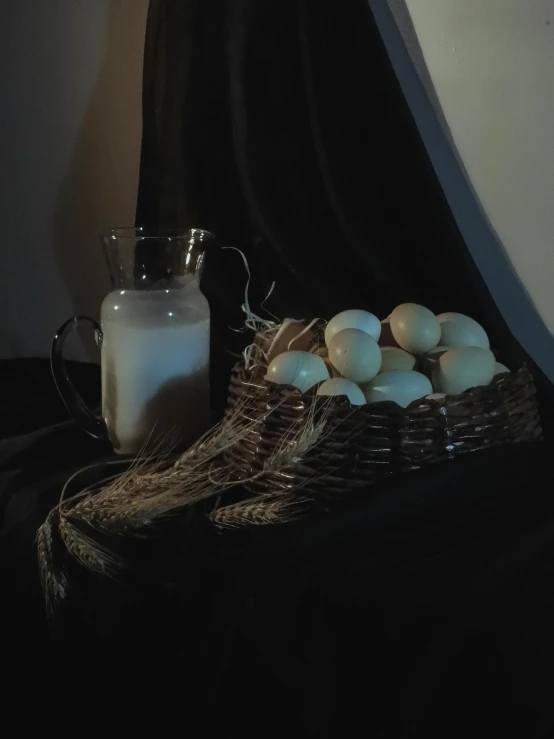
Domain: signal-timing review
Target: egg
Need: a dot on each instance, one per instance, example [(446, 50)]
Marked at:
[(323, 352), (395, 358), (355, 355), (360, 319), (459, 330), (415, 328), (400, 386), (386, 338), (500, 369), (462, 368), (291, 335), (302, 370), (428, 361), (342, 386)]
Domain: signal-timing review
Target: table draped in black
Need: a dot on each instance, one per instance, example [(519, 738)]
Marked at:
[(423, 606)]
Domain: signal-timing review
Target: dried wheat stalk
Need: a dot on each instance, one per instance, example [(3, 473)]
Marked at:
[(86, 550), (149, 491), (258, 511), (55, 583)]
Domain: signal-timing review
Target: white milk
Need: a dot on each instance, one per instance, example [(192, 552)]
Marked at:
[(155, 361)]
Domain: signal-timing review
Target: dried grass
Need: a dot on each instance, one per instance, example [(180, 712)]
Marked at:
[(53, 577), (266, 511), (154, 487)]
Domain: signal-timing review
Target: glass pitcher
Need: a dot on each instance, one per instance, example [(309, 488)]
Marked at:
[(154, 336)]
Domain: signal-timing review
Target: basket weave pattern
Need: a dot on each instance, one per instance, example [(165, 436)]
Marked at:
[(363, 445)]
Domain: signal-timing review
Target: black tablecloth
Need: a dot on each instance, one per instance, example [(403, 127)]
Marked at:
[(423, 607)]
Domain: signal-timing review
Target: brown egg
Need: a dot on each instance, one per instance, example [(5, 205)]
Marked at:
[(288, 338), (386, 338)]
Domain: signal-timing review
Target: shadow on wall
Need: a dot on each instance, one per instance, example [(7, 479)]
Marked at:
[(99, 188), (485, 247)]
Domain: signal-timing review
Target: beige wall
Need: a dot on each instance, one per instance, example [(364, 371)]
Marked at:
[(492, 66), (477, 75), (70, 86)]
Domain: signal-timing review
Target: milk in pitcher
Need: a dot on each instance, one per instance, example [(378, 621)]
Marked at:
[(155, 367)]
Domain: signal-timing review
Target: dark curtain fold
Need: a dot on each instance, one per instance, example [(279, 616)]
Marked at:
[(280, 125)]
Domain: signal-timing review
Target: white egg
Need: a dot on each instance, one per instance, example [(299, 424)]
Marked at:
[(415, 328), (428, 361), (395, 358), (500, 369), (459, 330), (360, 319), (355, 355), (399, 386), (342, 386), (302, 370), (462, 368)]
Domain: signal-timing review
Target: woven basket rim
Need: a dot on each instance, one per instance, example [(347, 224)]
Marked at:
[(364, 444), (478, 394)]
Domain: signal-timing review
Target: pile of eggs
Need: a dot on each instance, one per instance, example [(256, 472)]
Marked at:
[(411, 355)]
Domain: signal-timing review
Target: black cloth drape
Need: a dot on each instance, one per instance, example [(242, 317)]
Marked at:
[(421, 607), (280, 125)]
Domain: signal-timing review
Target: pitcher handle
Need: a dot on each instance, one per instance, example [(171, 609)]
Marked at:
[(89, 422)]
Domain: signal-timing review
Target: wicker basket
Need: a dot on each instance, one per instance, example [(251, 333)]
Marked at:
[(363, 445)]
